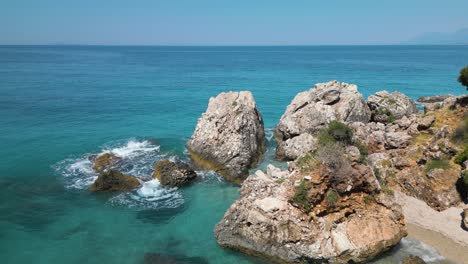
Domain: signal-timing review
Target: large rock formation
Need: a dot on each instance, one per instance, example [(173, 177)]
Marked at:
[(415, 154), (302, 219), (312, 110), (229, 137), (173, 173), (113, 180), (393, 104)]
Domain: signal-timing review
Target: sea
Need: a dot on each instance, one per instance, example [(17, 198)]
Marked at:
[(62, 105)]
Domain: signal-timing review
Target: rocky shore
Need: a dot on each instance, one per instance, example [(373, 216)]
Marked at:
[(348, 158), (358, 172)]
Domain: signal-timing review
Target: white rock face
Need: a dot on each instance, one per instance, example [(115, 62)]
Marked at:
[(312, 110), (263, 222), (397, 103), (296, 147), (229, 137)]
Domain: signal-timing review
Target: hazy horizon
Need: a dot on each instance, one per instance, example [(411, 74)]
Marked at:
[(223, 23)]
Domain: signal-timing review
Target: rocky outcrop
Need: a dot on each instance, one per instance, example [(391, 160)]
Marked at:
[(394, 105), (339, 226), (229, 137), (312, 110), (105, 161), (434, 103), (173, 173), (113, 180)]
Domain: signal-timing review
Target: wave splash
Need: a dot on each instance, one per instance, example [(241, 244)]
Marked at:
[(138, 157)]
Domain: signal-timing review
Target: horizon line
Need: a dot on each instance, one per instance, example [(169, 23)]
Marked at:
[(251, 45)]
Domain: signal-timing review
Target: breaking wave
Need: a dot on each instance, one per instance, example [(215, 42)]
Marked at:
[(138, 158)]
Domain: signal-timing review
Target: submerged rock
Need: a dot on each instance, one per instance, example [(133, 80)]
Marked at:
[(229, 137), (113, 180), (396, 103), (413, 260), (173, 173), (159, 258), (353, 223), (312, 110), (105, 161)]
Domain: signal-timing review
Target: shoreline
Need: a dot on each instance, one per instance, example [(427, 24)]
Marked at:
[(453, 251), (442, 230)]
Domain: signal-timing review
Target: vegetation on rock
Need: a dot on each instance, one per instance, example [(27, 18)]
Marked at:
[(462, 156), (463, 77), (437, 164)]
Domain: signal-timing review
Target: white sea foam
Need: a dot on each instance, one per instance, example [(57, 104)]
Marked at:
[(269, 132), (133, 149), (150, 195)]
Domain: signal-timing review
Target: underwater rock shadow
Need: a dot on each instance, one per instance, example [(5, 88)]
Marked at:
[(160, 258), (160, 215)]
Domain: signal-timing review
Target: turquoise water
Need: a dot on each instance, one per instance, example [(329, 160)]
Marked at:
[(61, 104)]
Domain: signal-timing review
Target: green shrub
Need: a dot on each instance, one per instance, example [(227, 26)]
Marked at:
[(387, 190), (463, 77), (363, 151), (437, 164), (332, 197), (340, 132), (306, 162), (465, 177), (385, 111), (324, 138), (300, 196), (367, 199), (460, 135), (461, 156)]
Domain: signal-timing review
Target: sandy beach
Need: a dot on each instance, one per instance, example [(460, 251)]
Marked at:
[(442, 230)]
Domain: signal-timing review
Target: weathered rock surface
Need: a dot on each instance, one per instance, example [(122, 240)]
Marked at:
[(264, 221), (173, 173), (434, 103), (296, 147), (312, 110), (105, 161), (229, 137), (113, 180), (396, 103)]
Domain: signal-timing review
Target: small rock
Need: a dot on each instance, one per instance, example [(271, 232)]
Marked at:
[(173, 173), (412, 260), (307, 178), (113, 180), (426, 122)]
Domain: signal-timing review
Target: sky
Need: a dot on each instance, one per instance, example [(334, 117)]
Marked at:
[(223, 22)]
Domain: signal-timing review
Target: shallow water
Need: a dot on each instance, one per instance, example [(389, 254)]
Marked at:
[(61, 105)]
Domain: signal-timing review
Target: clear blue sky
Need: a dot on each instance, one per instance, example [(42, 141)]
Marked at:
[(223, 22)]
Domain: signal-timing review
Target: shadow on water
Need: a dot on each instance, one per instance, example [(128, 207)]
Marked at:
[(160, 258), (160, 215), (32, 204)]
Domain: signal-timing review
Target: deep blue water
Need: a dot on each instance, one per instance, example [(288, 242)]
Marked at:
[(59, 104)]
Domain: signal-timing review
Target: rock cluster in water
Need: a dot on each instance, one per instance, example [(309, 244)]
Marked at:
[(229, 137), (347, 156)]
